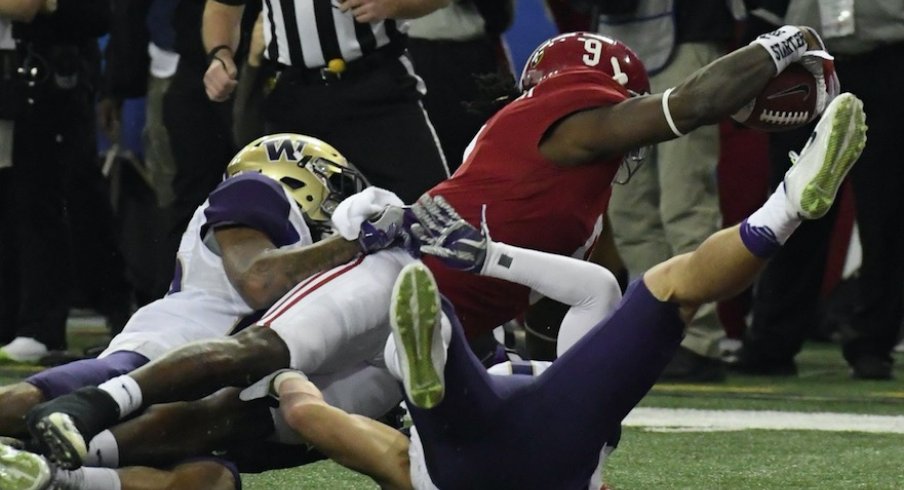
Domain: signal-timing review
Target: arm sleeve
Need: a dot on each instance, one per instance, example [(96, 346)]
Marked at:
[(591, 290), (253, 201)]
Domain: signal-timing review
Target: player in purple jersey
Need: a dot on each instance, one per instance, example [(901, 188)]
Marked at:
[(476, 431), (245, 247)]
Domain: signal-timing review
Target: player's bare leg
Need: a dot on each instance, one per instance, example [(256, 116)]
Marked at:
[(354, 441), (211, 475), (728, 261), (15, 401), (171, 432), (190, 372)]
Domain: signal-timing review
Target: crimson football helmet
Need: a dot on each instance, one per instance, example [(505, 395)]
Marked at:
[(586, 50)]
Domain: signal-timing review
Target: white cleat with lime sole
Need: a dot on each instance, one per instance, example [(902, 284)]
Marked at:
[(818, 171), (415, 320), (21, 470)]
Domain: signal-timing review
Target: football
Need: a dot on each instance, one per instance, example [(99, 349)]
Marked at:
[(787, 102)]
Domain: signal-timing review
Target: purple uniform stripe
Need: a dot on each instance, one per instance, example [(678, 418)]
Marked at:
[(255, 201), (60, 380), (760, 240)]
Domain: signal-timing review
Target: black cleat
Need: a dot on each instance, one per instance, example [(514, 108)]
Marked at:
[(64, 425)]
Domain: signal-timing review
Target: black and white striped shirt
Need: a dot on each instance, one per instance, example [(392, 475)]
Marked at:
[(312, 32)]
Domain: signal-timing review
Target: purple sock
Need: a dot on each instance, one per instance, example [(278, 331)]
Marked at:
[(760, 240), (769, 227)]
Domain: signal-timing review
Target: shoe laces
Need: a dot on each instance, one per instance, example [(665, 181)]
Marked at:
[(794, 157)]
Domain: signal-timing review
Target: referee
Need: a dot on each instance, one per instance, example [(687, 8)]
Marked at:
[(344, 77)]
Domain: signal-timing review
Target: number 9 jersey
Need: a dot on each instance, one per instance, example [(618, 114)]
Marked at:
[(530, 201)]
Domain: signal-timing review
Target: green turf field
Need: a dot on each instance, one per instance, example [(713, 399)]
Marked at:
[(689, 458)]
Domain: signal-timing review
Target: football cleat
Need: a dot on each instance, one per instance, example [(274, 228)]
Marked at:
[(816, 174), (63, 439), (415, 320), (21, 470)]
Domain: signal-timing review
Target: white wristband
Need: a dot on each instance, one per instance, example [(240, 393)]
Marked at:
[(668, 113), (785, 45)]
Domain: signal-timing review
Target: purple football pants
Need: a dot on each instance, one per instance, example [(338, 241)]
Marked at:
[(492, 432), (64, 379)]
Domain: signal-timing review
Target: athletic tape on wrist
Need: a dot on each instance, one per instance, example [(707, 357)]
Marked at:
[(668, 113), (285, 376), (785, 45)]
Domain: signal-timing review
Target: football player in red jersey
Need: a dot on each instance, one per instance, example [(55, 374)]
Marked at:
[(542, 165)]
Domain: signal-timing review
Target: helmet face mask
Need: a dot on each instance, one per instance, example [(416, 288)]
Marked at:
[(314, 173)]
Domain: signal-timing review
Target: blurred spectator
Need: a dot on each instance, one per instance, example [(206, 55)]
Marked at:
[(343, 77), (49, 108), (141, 62), (451, 48), (670, 204), (571, 15), (200, 134), (867, 39)]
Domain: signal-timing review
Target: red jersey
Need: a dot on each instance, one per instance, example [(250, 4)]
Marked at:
[(531, 202)]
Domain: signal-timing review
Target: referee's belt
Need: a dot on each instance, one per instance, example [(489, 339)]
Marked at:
[(349, 70)]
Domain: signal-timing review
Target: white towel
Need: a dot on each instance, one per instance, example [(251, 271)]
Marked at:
[(355, 209)]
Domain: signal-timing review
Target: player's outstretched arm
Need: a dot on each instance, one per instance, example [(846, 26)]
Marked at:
[(356, 442), (263, 273), (590, 290), (710, 94)]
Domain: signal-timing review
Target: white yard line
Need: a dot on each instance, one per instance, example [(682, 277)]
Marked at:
[(692, 420)]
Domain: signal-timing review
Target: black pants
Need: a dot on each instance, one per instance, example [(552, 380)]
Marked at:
[(200, 135), (375, 119), (878, 179), (787, 292), (54, 135), (449, 68)]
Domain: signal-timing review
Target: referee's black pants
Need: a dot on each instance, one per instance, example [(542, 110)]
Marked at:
[(375, 119), (788, 289)]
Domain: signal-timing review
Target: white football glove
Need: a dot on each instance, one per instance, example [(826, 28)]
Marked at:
[(822, 65)]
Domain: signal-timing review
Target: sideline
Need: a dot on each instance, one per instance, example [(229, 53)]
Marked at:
[(694, 420)]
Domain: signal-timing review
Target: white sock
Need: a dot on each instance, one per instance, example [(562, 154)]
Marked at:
[(591, 290), (776, 215), (101, 478), (103, 451), (126, 392), (86, 478)]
